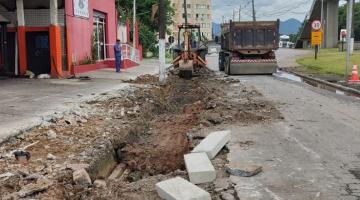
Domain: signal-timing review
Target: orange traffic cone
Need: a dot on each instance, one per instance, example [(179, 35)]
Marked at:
[(354, 74)]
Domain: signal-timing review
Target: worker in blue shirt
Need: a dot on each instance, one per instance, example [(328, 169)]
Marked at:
[(117, 52)]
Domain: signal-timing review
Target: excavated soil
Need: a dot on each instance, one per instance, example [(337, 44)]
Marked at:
[(146, 127)]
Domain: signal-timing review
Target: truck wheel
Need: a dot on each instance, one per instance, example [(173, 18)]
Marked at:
[(227, 65)]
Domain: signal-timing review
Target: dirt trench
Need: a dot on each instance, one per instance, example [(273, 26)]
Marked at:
[(148, 129)]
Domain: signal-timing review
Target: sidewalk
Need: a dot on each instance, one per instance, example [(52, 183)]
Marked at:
[(25, 103)]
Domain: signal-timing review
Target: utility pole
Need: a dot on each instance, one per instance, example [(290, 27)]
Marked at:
[(134, 29), (239, 12), (348, 35), (322, 22), (253, 10), (233, 15), (162, 21), (185, 13)]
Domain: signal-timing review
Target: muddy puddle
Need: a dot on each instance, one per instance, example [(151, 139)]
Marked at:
[(141, 133)]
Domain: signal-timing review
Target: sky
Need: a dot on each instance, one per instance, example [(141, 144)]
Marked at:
[(265, 9)]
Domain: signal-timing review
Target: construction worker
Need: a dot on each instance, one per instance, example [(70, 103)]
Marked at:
[(117, 52)]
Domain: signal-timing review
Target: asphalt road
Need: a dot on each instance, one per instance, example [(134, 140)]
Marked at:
[(314, 153)]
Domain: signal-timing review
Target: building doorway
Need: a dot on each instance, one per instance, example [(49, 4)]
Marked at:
[(11, 45), (99, 34), (38, 52), (3, 48)]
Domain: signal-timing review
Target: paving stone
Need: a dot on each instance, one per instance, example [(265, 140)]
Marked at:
[(180, 189), (199, 168), (81, 178), (243, 169), (213, 143)]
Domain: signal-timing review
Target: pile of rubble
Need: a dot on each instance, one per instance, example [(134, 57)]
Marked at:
[(121, 145)]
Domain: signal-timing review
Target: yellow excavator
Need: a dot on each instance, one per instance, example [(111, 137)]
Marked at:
[(190, 51)]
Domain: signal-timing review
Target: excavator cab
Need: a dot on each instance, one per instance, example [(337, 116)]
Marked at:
[(190, 51)]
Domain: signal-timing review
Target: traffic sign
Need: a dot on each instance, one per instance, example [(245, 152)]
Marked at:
[(316, 25), (316, 37)]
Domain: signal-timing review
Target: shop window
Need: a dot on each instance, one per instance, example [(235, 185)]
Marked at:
[(99, 37)]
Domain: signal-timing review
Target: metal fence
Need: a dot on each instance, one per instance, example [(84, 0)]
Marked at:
[(127, 53)]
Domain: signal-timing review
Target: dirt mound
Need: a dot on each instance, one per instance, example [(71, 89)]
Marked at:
[(145, 79)]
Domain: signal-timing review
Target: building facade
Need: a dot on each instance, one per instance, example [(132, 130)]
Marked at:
[(199, 12), (57, 37)]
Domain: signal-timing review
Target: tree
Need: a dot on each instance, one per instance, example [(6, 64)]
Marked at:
[(148, 29), (342, 19)]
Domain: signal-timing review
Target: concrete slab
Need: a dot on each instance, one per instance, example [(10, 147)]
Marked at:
[(213, 143), (199, 168), (180, 189)]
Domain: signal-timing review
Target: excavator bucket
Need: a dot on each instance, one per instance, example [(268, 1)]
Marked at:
[(186, 69)]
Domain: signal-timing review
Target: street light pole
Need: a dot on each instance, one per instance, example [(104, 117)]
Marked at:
[(322, 22), (134, 29), (348, 35), (253, 11)]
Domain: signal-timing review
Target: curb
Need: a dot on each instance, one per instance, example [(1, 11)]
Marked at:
[(337, 86)]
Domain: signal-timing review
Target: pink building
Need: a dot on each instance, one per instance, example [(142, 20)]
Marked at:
[(57, 37)]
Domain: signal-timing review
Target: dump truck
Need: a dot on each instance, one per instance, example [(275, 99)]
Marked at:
[(249, 47)]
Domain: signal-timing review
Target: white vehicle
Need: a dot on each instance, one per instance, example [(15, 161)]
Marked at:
[(284, 40)]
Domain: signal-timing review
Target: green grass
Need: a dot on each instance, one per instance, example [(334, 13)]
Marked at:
[(330, 61)]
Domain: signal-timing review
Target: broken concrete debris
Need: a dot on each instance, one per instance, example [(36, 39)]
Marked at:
[(75, 167), (81, 178), (213, 143), (6, 175), (23, 172), (222, 184), (117, 172), (100, 183), (51, 134), (50, 157), (33, 188), (180, 189), (227, 196), (243, 169), (199, 168)]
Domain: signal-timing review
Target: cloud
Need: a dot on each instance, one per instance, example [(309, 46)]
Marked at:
[(265, 9)]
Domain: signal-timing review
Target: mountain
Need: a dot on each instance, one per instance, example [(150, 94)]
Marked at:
[(216, 29), (290, 26)]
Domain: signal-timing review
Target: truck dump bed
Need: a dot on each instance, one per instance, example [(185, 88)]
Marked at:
[(258, 35)]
